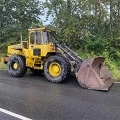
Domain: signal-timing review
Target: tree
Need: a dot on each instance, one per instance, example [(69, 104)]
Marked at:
[(16, 17)]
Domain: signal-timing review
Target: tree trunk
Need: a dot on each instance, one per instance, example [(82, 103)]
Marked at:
[(111, 19), (1, 11), (96, 15), (68, 21), (118, 8)]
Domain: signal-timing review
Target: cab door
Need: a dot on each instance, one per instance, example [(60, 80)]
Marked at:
[(35, 43)]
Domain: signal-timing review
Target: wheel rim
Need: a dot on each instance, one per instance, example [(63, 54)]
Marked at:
[(15, 66), (55, 69)]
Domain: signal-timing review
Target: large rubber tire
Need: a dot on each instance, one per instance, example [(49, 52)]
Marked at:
[(21, 68), (56, 69), (36, 72)]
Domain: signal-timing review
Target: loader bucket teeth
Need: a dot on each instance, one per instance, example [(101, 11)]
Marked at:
[(94, 75)]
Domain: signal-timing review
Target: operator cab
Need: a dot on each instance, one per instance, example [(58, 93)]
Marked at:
[(41, 36)]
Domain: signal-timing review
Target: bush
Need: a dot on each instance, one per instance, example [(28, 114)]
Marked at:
[(112, 64)]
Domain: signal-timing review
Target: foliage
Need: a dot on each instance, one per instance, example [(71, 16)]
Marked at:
[(89, 26), (2, 66), (16, 17), (86, 24), (112, 64)]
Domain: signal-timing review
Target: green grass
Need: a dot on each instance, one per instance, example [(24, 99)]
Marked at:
[(113, 67), (2, 65), (111, 64)]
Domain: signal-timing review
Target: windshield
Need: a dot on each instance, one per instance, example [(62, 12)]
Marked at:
[(48, 37), (52, 36)]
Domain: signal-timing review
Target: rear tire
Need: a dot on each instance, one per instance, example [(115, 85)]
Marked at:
[(56, 69), (16, 66)]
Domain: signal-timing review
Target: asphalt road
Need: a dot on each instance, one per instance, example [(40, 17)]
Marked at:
[(38, 99)]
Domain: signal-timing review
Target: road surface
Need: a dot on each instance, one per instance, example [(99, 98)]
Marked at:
[(33, 97)]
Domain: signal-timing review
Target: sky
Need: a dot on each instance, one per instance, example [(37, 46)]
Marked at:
[(43, 18)]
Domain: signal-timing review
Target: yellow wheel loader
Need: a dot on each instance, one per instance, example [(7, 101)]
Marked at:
[(42, 54)]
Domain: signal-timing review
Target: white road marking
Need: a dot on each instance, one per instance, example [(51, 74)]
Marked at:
[(14, 114), (117, 82)]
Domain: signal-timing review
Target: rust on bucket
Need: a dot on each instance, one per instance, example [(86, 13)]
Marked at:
[(94, 75)]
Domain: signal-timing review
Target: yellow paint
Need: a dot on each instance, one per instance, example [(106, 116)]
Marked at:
[(34, 61), (2, 59), (55, 69), (15, 65)]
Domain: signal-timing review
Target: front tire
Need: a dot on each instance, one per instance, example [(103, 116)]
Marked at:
[(16, 66), (56, 69)]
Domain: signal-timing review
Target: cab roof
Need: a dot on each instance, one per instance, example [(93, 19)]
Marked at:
[(41, 29)]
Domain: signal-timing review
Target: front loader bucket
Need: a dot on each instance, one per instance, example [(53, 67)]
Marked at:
[(93, 75)]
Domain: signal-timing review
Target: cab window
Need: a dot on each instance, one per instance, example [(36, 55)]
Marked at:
[(32, 38), (52, 36), (45, 37), (38, 37)]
